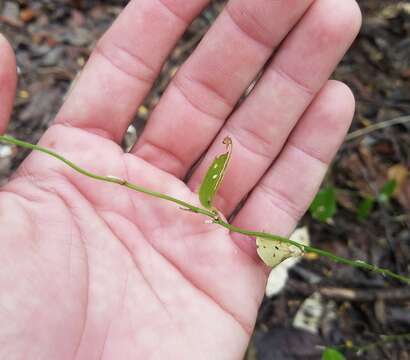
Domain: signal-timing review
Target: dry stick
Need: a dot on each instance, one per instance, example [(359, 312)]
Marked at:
[(390, 294), (382, 125), (385, 339), (122, 182)]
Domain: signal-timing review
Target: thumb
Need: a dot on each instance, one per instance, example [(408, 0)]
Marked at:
[(8, 82)]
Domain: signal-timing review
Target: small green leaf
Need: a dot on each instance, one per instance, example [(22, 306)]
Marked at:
[(273, 252), (323, 206), (387, 191), (214, 176), (332, 354), (365, 208)]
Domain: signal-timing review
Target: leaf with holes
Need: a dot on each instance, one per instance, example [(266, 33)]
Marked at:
[(214, 176), (273, 252)]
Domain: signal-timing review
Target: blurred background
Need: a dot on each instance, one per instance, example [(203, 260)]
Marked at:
[(362, 211)]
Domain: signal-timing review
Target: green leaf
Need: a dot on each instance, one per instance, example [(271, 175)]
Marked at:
[(365, 208), (332, 354), (273, 252), (214, 176), (387, 191), (323, 206)]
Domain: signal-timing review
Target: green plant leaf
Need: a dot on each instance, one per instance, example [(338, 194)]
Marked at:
[(387, 191), (323, 206), (214, 176), (365, 208), (332, 354), (273, 252)]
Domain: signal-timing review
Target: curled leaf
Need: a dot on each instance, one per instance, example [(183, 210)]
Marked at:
[(387, 191), (273, 252), (214, 176), (324, 205)]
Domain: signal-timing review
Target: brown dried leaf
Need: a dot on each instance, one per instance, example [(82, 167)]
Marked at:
[(399, 173)]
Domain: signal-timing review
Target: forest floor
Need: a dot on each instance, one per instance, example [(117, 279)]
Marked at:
[(53, 40)]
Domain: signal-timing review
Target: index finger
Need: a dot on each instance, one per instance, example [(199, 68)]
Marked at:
[(8, 81), (124, 65)]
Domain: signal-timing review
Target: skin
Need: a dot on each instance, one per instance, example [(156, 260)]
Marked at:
[(92, 271)]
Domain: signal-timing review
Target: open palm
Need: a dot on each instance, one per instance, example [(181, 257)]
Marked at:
[(91, 270)]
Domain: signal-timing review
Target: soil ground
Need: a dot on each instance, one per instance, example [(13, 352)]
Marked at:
[(53, 40)]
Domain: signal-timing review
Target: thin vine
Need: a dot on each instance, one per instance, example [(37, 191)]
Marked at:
[(208, 213)]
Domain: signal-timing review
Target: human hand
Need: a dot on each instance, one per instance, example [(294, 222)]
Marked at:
[(91, 270)]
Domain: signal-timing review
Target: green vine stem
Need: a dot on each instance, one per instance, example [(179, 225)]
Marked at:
[(215, 219)]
